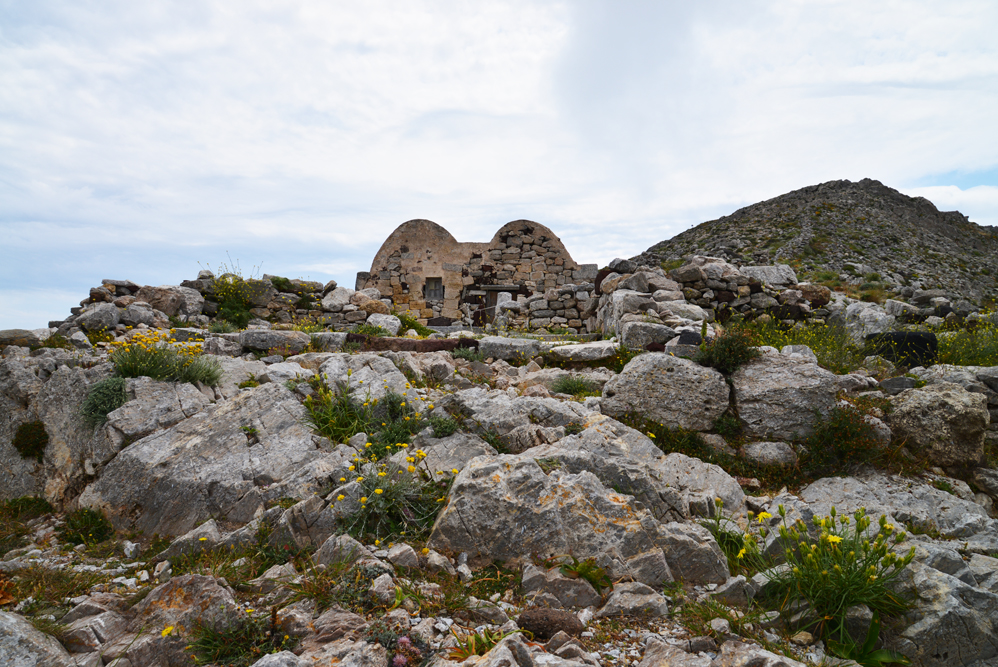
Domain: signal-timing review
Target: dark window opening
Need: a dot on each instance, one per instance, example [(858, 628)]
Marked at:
[(433, 289)]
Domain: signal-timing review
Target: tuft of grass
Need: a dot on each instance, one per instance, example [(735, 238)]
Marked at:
[(86, 526), (575, 385), (841, 440), (103, 398), (50, 587), (443, 426), (587, 569), (30, 440), (370, 330), (222, 326), (14, 515), (468, 354), (830, 343), (728, 351), (240, 643)]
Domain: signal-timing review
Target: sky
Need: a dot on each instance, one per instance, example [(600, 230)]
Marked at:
[(148, 140)]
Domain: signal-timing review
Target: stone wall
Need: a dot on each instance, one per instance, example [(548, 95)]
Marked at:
[(523, 258)]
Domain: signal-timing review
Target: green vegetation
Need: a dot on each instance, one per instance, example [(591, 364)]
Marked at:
[(240, 643), (222, 326), (974, 347), (370, 330), (587, 569), (468, 354), (410, 322), (727, 352), (103, 398), (443, 426), (282, 284), (100, 336), (476, 643), (575, 385), (30, 440), (14, 515), (156, 355), (86, 526), (55, 342)]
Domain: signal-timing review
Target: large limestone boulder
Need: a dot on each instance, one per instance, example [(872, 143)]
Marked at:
[(903, 501), (21, 645), (601, 349), (18, 389), (98, 316), (498, 347), (638, 335), (267, 339), (780, 274), (864, 319), (366, 376), (208, 466), (177, 301), (777, 395), (152, 406), (952, 623), (506, 508), (942, 421), (335, 299), (673, 391)]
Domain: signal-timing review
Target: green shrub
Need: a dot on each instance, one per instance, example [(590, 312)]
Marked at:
[(468, 354), (232, 294), (575, 385), (282, 284), (337, 415), (55, 341), (30, 440), (410, 322), (222, 326), (587, 569), (156, 355), (728, 426), (237, 314), (103, 398), (844, 567), (728, 351), (100, 336), (840, 440), (397, 501), (240, 643), (86, 526), (443, 426)]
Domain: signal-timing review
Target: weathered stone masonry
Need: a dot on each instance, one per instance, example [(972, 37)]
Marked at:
[(422, 268)]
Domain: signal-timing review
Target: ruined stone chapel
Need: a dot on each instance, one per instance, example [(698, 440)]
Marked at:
[(423, 269)]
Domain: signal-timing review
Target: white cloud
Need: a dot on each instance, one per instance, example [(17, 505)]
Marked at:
[(137, 138)]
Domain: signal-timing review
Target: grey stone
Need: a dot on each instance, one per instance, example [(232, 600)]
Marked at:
[(234, 475), (89, 633), (660, 654), (329, 341), (738, 654), (777, 397), (669, 390), (98, 316), (402, 555), (340, 549), (389, 323), (895, 385), (198, 539), (21, 645), (638, 335), (770, 453), (20, 337), (634, 599), (182, 302), (687, 311), (692, 553), (282, 659), (863, 319), (367, 376), (735, 592), (569, 592), (802, 350), (703, 481), (268, 339), (594, 351), (943, 422), (498, 347), (152, 406), (781, 274), (282, 372), (506, 507)]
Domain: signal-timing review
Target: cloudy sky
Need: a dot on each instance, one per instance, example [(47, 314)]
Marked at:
[(146, 140)]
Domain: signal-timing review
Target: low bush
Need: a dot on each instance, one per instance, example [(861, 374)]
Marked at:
[(86, 526), (56, 342), (240, 643), (410, 322), (100, 336), (840, 440), (468, 354), (575, 385), (156, 355), (30, 440), (370, 330), (232, 294), (443, 426), (847, 565), (103, 398), (222, 326), (727, 352)]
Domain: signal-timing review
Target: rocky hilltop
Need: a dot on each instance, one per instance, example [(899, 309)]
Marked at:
[(855, 229), (281, 473)]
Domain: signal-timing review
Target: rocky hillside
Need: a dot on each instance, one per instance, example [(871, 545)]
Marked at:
[(857, 229)]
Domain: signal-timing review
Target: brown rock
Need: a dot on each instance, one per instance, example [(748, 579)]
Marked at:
[(817, 295), (546, 623), (385, 344)]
